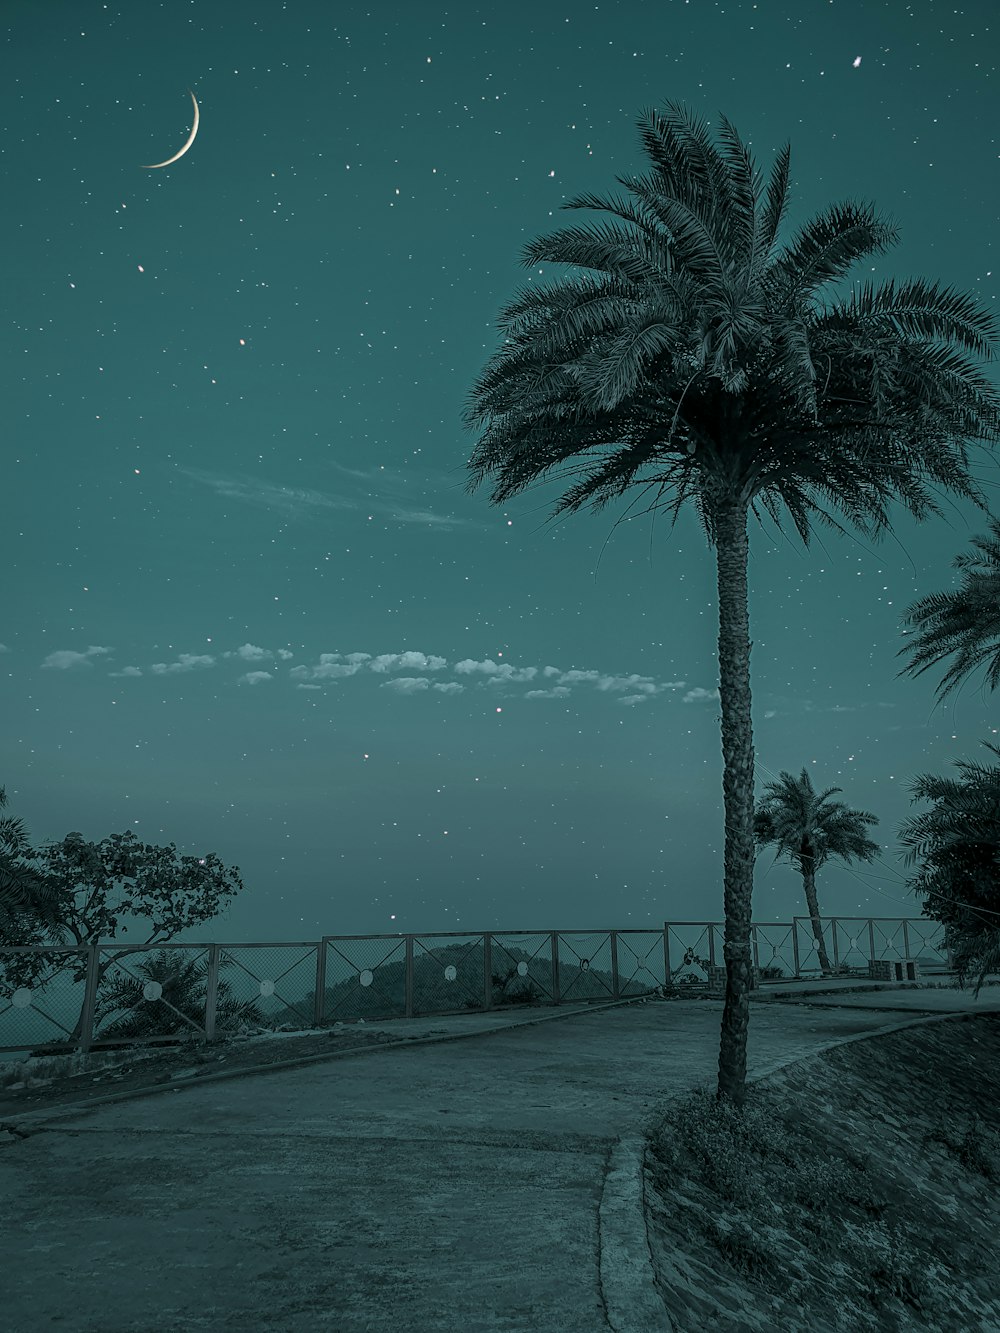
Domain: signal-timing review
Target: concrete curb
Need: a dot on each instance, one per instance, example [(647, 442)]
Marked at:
[(632, 1303)]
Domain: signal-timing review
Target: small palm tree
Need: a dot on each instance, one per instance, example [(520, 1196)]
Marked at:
[(966, 622), (180, 1006), (700, 361), (795, 819)]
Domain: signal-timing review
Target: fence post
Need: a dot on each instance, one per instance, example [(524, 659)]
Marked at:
[(756, 950), (906, 940), (614, 963), (488, 970), (871, 942), (836, 951), (711, 943), (555, 967), (666, 953), (795, 946), (320, 1003), (408, 978), (89, 1000), (212, 996)]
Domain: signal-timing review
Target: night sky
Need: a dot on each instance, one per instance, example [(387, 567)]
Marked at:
[(248, 607)]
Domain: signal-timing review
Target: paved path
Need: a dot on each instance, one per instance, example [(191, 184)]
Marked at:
[(478, 1182)]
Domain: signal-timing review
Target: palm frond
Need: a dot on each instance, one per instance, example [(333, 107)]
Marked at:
[(777, 202), (599, 246), (745, 182), (924, 310), (682, 153), (827, 247)]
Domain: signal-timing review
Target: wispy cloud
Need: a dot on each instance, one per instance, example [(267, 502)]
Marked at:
[(496, 671), (185, 662), (485, 674), (249, 652), (405, 672), (65, 660), (388, 494)]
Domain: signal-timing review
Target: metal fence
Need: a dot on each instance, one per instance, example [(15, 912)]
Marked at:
[(356, 977)]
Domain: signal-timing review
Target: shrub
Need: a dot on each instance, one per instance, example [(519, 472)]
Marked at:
[(978, 1149), (819, 1180), (890, 1268), (723, 1142), (740, 1244)]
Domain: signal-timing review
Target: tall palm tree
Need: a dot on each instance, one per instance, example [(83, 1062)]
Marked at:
[(966, 622), (699, 360), (794, 818), (25, 894)]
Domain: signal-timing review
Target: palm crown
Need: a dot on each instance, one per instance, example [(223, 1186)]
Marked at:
[(700, 361), (800, 823)]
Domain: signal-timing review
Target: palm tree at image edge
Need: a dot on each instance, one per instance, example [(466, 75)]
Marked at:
[(698, 361), (966, 820), (958, 840)]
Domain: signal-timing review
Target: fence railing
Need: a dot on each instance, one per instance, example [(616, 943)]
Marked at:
[(408, 975)]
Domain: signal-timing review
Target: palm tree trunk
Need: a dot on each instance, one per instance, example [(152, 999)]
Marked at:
[(737, 788), (812, 902)]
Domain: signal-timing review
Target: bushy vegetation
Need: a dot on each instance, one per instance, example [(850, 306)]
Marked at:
[(768, 1199), (977, 1147)]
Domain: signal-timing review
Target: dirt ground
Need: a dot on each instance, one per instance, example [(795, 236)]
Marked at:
[(39, 1084), (860, 1192)]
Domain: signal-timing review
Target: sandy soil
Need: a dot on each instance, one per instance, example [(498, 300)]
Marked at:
[(859, 1193)]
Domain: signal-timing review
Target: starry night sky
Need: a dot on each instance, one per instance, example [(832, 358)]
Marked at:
[(248, 607)]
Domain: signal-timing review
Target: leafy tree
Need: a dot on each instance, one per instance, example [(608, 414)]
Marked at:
[(695, 358), (25, 895), (794, 818), (959, 844), (171, 893)]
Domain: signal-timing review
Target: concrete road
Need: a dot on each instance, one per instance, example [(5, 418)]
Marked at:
[(476, 1182)]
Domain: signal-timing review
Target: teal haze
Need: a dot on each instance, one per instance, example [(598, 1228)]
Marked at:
[(248, 607)]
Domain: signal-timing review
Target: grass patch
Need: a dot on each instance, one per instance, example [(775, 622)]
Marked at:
[(828, 1203)]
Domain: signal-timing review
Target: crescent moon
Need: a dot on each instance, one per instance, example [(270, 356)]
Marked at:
[(190, 140)]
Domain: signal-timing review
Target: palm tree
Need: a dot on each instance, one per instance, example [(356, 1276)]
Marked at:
[(960, 839), (966, 622), (25, 894), (792, 816), (699, 360), (180, 1006)]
